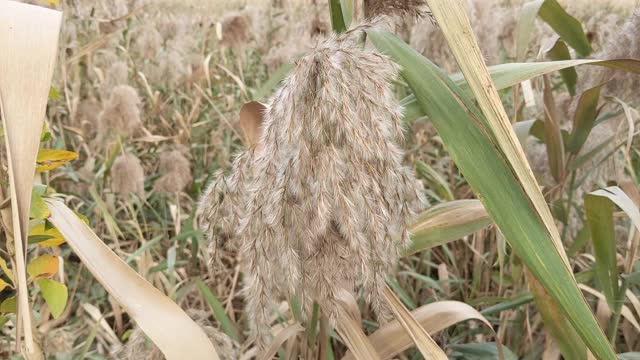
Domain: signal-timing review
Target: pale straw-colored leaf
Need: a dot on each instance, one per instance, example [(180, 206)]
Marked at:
[(446, 222), (29, 43), (428, 348), (279, 339), (391, 339), (625, 312), (164, 322), (350, 329)]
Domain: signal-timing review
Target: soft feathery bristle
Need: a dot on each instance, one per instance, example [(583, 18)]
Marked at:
[(127, 175), (236, 30), (175, 170), (326, 190), (394, 8), (148, 41), (121, 113), (117, 74)]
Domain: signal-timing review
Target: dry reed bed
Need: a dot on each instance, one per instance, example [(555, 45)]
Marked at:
[(149, 99)]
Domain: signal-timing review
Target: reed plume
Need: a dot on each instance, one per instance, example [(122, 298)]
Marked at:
[(322, 202)]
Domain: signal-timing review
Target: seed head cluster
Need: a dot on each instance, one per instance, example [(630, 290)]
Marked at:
[(127, 175), (121, 113), (175, 170), (323, 201)]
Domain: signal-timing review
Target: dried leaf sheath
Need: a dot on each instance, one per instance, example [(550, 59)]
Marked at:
[(323, 202)]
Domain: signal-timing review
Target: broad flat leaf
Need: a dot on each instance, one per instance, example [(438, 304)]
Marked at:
[(55, 294), (446, 222), (43, 236), (571, 345), (349, 327), (347, 11), (474, 148), (584, 119), (43, 266), (391, 339), (425, 344), (38, 208), (29, 42), (553, 134), (4, 284), (558, 52), (53, 93), (164, 322), (599, 206), (565, 25), (5, 269), (279, 339), (337, 17), (510, 74), (49, 159), (9, 305)]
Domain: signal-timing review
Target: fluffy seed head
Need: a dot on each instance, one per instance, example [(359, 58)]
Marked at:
[(175, 170), (121, 113), (127, 175), (236, 30), (322, 203)]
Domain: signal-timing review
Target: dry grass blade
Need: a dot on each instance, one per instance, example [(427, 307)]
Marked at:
[(428, 348), (282, 336), (29, 39), (625, 311), (164, 322), (351, 332), (446, 222), (391, 339)]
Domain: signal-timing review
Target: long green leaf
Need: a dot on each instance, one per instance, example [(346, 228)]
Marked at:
[(510, 74), (599, 211), (551, 12), (584, 119), (560, 52), (571, 345), (565, 25), (599, 206), (473, 147), (218, 310), (337, 17)]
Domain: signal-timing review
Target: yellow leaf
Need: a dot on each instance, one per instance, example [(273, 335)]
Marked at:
[(8, 305), (5, 268), (51, 236), (43, 266), (49, 159), (4, 284), (55, 294), (39, 209)]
